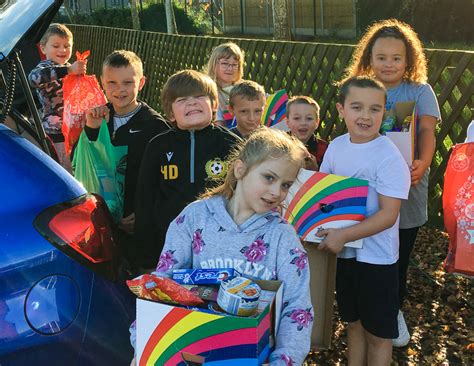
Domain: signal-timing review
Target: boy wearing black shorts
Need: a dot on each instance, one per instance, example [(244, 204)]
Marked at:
[(367, 278)]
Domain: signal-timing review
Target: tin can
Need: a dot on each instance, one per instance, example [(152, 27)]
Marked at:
[(239, 296)]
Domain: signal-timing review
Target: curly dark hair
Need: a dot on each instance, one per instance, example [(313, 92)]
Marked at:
[(416, 69)]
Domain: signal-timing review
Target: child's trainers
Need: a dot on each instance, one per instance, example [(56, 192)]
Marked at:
[(403, 334)]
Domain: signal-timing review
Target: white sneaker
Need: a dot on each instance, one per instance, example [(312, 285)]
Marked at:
[(403, 334)]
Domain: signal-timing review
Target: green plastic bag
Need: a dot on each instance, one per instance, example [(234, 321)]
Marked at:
[(100, 167)]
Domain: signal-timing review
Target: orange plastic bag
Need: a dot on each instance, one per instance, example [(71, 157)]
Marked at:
[(458, 207), (80, 93)]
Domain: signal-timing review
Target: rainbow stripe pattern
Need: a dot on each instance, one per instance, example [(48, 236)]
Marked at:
[(165, 332), (274, 112), (229, 119), (318, 200)]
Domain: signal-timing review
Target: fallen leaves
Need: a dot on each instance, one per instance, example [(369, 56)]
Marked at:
[(438, 311)]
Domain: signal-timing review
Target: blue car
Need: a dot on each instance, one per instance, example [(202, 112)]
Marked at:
[(62, 298)]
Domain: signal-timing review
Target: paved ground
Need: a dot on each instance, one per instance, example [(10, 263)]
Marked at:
[(439, 313)]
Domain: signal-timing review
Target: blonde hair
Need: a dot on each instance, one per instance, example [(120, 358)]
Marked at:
[(56, 29), (225, 51), (187, 83), (248, 89), (261, 145), (416, 69), (124, 58), (302, 99)]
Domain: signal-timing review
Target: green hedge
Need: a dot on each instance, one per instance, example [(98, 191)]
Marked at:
[(433, 20), (152, 18)]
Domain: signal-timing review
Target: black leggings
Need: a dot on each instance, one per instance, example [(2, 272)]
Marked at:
[(407, 242)]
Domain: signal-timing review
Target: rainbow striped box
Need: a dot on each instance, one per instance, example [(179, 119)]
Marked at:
[(274, 113), (169, 335), (321, 201)]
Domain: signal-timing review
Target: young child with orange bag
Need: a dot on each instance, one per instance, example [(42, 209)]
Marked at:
[(47, 77)]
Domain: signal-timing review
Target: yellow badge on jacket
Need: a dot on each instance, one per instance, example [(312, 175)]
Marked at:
[(216, 168)]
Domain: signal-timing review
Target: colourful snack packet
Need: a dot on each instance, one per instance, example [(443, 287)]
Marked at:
[(203, 276), (388, 124), (208, 293), (210, 307), (406, 124), (152, 287)]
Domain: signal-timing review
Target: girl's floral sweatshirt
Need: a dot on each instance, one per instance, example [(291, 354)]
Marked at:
[(264, 247)]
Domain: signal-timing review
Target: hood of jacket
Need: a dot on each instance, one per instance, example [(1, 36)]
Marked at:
[(217, 207)]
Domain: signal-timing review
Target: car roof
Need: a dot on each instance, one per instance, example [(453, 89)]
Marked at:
[(24, 20)]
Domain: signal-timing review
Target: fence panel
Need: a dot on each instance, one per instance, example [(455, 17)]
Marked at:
[(301, 68)]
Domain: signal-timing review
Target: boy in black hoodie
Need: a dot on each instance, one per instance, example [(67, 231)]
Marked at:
[(179, 163), (130, 122)]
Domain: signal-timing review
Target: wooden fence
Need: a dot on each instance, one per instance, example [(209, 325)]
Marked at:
[(300, 68)]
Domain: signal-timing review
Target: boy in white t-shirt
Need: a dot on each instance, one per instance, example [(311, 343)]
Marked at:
[(367, 278), (470, 132)]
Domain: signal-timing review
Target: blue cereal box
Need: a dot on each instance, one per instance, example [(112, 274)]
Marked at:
[(203, 276)]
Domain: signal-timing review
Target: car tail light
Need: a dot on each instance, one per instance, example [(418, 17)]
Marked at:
[(82, 228)]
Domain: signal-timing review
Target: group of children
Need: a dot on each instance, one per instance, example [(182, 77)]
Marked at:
[(175, 161)]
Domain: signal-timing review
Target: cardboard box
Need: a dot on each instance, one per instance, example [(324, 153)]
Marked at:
[(167, 335), (405, 141), (320, 201), (322, 265)]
